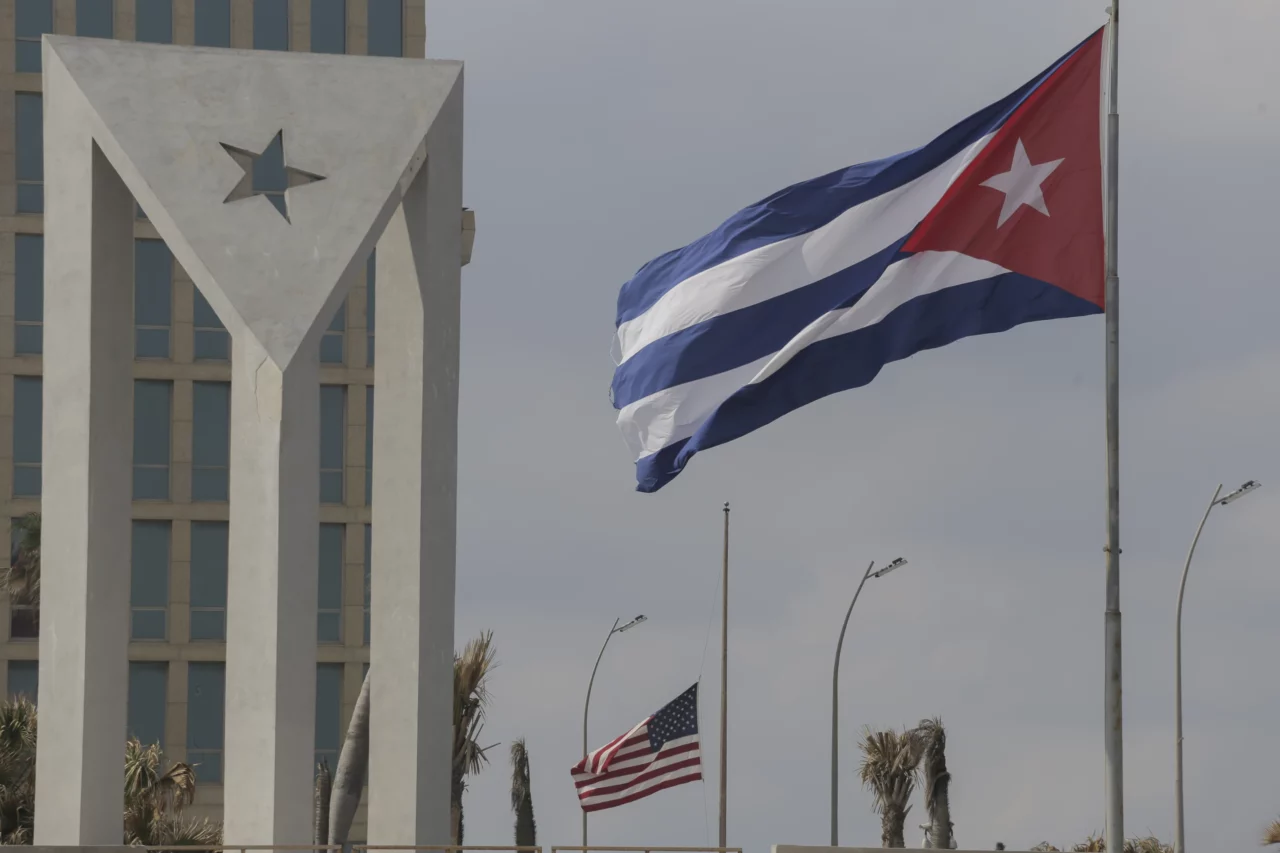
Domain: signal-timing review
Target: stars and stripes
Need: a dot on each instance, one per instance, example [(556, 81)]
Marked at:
[(660, 752)]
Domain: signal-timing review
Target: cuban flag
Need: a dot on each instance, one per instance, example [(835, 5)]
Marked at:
[(995, 223)]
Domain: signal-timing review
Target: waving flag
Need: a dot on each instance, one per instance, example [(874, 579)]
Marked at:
[(660, 752), (995, 223)]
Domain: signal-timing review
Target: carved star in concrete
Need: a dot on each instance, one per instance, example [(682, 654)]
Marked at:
[(267, 173)]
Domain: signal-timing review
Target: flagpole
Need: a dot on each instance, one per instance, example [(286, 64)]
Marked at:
[(724, 681), (1114, 734)]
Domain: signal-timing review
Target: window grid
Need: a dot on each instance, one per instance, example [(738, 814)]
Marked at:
[(24, 619), (24, 679), (208, 580), (149, 580), (152, 438), (211, 440), (329, 598), (29, 157), (385, 27), (28, 295), (206, 700), (212, 341), (95, 18), (152, 299), (368, 445), (368, 577), (332, 348), (370, 280), (333, 428), (33, 19), (28, 418), (213, 23), (153, 22)]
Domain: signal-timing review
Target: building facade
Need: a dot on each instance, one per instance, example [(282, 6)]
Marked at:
[(182, 390)]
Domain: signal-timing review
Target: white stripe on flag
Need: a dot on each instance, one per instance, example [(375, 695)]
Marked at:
[(675, 413), (794, 262)]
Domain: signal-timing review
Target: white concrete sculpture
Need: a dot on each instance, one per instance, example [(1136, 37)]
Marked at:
[(377, 147)]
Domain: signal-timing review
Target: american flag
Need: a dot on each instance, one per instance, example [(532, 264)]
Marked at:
[(662, 751)]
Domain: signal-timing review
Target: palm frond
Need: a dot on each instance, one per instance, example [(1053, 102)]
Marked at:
[(890, 766), (1272, 835), (17, 727), (21, 580), (933, 746)]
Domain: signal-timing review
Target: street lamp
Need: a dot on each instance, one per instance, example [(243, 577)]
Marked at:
[(616, 629), (1179, 841), (835, 693)]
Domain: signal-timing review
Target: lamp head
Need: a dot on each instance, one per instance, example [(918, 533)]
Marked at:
[(1245, 489), (634, 622), (896, 564)]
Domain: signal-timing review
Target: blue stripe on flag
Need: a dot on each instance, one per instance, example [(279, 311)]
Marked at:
[(740, 337), (810, 204), (854, 359)]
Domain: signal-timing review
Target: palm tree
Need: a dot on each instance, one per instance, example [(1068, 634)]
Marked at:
[(320, 804), (154, 801), (890, 765), (17, 771), (1272, 835), (522, 796), (22, 579), (153, 798), (353, 766), (937, 781), (470, 699)]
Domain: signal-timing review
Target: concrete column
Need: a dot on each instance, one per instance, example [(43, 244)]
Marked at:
[(88, 449), (415, 466), (271, 594)]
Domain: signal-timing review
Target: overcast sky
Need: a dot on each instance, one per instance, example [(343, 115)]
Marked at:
[(601, 134)]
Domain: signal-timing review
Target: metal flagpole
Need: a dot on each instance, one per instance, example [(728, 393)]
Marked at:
[(724, 681), (1114, 734)]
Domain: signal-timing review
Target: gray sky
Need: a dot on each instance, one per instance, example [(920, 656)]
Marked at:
[(600, 134)]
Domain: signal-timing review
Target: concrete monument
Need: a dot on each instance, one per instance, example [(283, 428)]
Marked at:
[(374, 150)]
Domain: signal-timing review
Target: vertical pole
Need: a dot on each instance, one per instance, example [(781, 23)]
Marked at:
[(586, 706), (724, 680), (1179, 839), (1114, 734), (835, 713)]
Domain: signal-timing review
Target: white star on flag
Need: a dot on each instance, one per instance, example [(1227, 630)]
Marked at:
[(1021, 184)]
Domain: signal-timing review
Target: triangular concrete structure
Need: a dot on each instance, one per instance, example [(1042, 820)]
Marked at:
[(166, 117)]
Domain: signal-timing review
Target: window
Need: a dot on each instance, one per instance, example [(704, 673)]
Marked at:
[(28, 410), (33, 19), (370, 279), (24, 619), (152, 298), (149, 580), (93, 18), (152, 410), (368, 576), (331, 348), (329, 617), (24, 679), (210, 440), (213, 23), (269, 177), (212, 343), (148, 696), (270, 24), (328, 26), (154, 21), (28, 129), (368, 445), (386, 27), (206, 697), (333, 405), (28, 296), (328, 713), (209, 580)]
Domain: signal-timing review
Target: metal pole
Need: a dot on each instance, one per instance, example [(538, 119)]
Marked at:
[(835, 712), (1179, 839), (1113, 702), (586, 706), (724, 682)]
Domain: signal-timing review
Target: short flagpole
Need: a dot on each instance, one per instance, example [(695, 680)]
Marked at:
[(724, 683), (1114, 734)]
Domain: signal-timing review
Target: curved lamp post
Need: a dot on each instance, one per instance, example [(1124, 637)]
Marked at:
[(835, 694), (1179, 841), (616, 629)]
